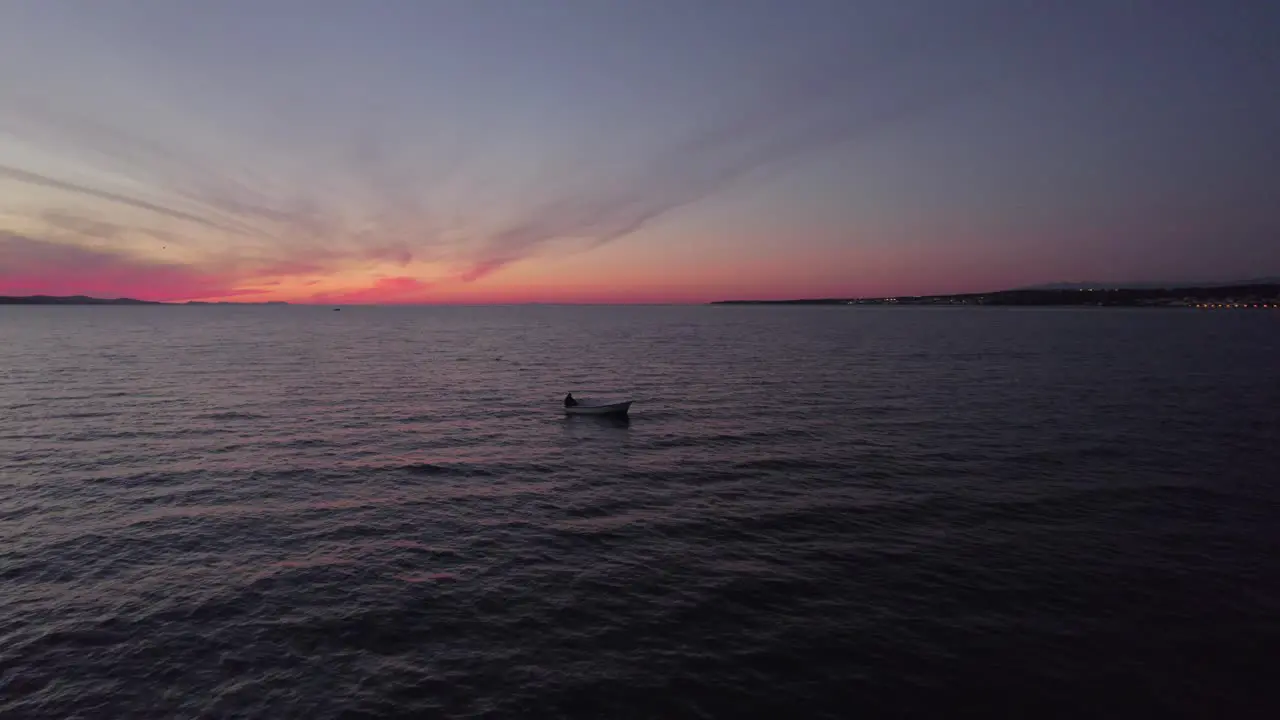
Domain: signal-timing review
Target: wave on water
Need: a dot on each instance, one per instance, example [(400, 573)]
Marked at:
[(905, 522)]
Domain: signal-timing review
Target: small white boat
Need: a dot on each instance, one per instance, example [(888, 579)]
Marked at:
[(589, 408)]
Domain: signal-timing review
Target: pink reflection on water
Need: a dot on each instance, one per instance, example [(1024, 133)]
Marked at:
[(433, 577), (322, 561), (408, 544), (347, 503)]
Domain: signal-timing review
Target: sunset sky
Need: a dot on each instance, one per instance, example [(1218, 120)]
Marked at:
[(461, 151)]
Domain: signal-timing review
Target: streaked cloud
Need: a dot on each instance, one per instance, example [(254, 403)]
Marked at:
[(436, 147), (30, 266), (390, 291), (32, 178)]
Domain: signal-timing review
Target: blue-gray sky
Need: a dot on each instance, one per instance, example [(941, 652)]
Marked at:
[(655, 149)]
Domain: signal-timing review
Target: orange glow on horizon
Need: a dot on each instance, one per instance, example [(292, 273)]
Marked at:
[(669, 269)]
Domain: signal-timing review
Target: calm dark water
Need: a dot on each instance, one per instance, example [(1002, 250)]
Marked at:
[(813, 512)]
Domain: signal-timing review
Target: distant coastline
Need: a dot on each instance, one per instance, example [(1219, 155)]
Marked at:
[(1262, 294), (86, 300), (1248, 295)]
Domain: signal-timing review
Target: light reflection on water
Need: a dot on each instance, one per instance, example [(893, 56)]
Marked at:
[(286, 511)]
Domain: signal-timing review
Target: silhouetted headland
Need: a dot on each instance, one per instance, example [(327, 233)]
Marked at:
[(1250, 295), (86, 300)]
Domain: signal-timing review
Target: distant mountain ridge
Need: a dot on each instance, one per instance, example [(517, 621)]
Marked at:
[(1152, 285), (1256, 294), (71, 300), (86, 300)]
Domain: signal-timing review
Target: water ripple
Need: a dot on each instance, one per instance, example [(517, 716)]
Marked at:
[(212, 512)]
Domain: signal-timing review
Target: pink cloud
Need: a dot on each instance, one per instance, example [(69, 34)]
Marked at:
[(291, 268), (390, 291), (398, 254), (31, 266), (484, 268)]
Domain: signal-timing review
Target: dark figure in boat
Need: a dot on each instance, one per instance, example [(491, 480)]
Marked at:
[(569, 401)]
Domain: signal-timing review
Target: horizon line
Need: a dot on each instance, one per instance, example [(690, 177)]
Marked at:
[(1043, 287)]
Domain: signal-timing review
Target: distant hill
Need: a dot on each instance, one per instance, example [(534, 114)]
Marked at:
[(1152, 285), (71, 300), (1262, 294), (224, 302), (86, 300)]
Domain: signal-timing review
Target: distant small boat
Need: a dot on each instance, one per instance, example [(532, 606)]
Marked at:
[(619, 408), (337, 309)]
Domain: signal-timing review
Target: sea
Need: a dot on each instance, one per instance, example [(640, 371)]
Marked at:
[(810, 512)]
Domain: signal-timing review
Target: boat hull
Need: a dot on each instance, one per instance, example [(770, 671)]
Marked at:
[(609, 409)]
